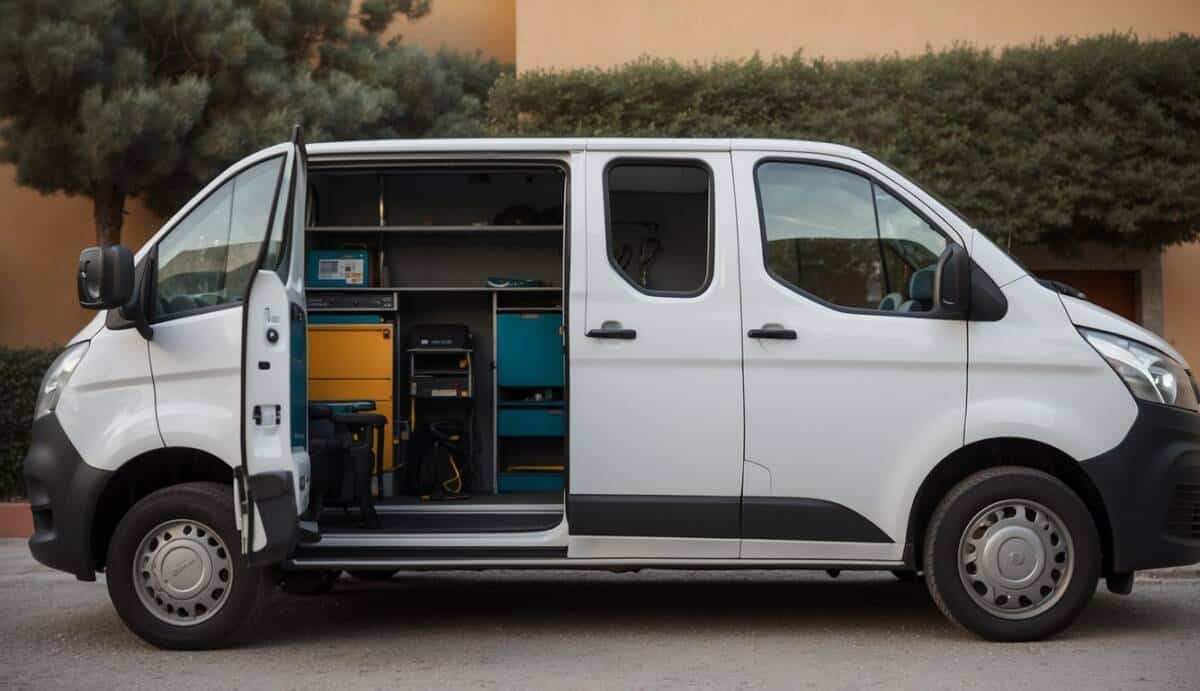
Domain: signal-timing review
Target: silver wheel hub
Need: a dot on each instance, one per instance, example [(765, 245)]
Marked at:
[(183, 572), (1016, 559)]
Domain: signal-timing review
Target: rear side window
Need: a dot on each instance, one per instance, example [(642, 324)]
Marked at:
[(839, 237), (206, 259), (660, 226)]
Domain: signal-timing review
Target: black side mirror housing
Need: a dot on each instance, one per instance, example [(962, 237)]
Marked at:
[(952, 285), (105, 277)]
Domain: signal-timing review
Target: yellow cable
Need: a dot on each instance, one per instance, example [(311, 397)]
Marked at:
[(455, 481)]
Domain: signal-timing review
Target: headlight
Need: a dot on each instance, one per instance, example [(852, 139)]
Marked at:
[(1149, 374), (55, 379)]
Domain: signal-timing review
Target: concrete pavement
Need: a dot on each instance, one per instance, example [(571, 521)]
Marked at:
[(655, 629)]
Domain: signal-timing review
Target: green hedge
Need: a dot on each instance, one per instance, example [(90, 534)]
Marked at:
[(20, 374), (1096, 139)]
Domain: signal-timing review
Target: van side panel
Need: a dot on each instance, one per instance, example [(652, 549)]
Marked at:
[(197, 376), (1032, 376), (107, 410)]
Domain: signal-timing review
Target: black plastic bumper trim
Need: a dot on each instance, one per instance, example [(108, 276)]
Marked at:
[(654, 516), (63, 493), (729, 518), (274, 497), (799, 518), (1137, 481)]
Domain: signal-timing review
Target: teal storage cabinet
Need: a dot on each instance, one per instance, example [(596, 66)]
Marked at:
[(531, 482), (531, 420), (529, 349)]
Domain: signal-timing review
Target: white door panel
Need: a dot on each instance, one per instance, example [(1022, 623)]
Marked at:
[(848, 416), (659, 415), (268, 405)]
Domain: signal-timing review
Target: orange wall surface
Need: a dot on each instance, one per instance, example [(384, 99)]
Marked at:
[(553, 34), (487, 26), (42, 237), (1181, 301)]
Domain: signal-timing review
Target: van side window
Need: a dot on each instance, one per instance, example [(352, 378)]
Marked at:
[(840, 237), (206, 259), (660, 226)]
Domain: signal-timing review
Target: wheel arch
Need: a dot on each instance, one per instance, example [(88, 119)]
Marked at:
[(144, 474), (990, 453)]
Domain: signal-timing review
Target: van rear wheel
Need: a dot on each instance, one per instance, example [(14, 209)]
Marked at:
[(175, 570), (1012, 554)]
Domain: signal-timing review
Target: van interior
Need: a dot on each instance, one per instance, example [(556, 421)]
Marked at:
[(436, 375)]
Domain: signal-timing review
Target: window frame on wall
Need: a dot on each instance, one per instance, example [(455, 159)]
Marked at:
[(711, 232), (155, 316), (873, 181)]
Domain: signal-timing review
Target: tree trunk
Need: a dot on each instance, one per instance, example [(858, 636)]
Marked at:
[(108, 211)]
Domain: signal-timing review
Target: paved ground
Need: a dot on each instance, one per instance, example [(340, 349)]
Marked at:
[(577, 630)]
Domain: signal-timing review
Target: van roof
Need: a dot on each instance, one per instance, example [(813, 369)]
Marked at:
[(565, 144)]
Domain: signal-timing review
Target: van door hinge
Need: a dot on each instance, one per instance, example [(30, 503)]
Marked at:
[(274, 415)]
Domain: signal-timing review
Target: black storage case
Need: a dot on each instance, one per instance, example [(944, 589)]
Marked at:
[(452, 336)]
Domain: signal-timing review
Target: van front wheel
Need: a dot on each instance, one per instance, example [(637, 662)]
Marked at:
[(1012, 554), (175, 571)]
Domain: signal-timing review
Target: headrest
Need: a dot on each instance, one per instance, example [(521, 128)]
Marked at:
[(891, 302), (921, 285)]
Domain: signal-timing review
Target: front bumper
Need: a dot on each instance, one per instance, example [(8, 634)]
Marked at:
[(1150, 484), (63, 492)]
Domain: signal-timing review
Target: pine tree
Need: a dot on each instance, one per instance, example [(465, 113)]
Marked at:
[(113, 99)]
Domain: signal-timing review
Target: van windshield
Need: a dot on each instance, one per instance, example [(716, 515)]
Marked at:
[(952, 209)]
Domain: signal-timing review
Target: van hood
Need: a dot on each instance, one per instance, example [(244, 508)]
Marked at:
[(1092, 316), (89, 331)]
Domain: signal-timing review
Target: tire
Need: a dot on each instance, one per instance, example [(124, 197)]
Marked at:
[(217, 594), (308, 582), (990, 566)]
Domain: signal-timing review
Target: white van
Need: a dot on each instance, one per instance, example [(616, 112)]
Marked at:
[(602, 354)]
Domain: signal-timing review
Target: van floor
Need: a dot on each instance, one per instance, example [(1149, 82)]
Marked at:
[(492, 513)]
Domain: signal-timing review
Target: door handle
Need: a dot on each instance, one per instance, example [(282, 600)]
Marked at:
[(613, 329), (774, 332)]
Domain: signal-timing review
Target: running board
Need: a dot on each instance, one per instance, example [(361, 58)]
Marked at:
[(384, 557), (553, 558), (405, 521)]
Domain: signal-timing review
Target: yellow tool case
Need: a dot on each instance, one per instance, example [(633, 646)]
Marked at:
[(354, 362)]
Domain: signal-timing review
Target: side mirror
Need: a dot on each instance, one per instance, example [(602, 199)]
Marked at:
[(952, 285), (105, 277)]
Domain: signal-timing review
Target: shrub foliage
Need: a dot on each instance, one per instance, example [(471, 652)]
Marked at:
[(21, 371), (1057, 143)]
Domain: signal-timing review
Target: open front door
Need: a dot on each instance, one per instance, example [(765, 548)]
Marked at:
[(273, 482)]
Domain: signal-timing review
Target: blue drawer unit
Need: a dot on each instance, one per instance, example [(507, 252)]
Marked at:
[(529, 349), (530, 420)]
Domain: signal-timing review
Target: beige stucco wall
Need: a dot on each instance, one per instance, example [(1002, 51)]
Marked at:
[(580, 33), (40, 237), (488, 26), (1181, 301)]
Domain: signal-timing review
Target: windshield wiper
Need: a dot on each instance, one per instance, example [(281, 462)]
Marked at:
[(1060, 287)]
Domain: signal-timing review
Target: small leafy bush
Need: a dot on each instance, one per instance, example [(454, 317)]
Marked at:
[(20, 375)]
